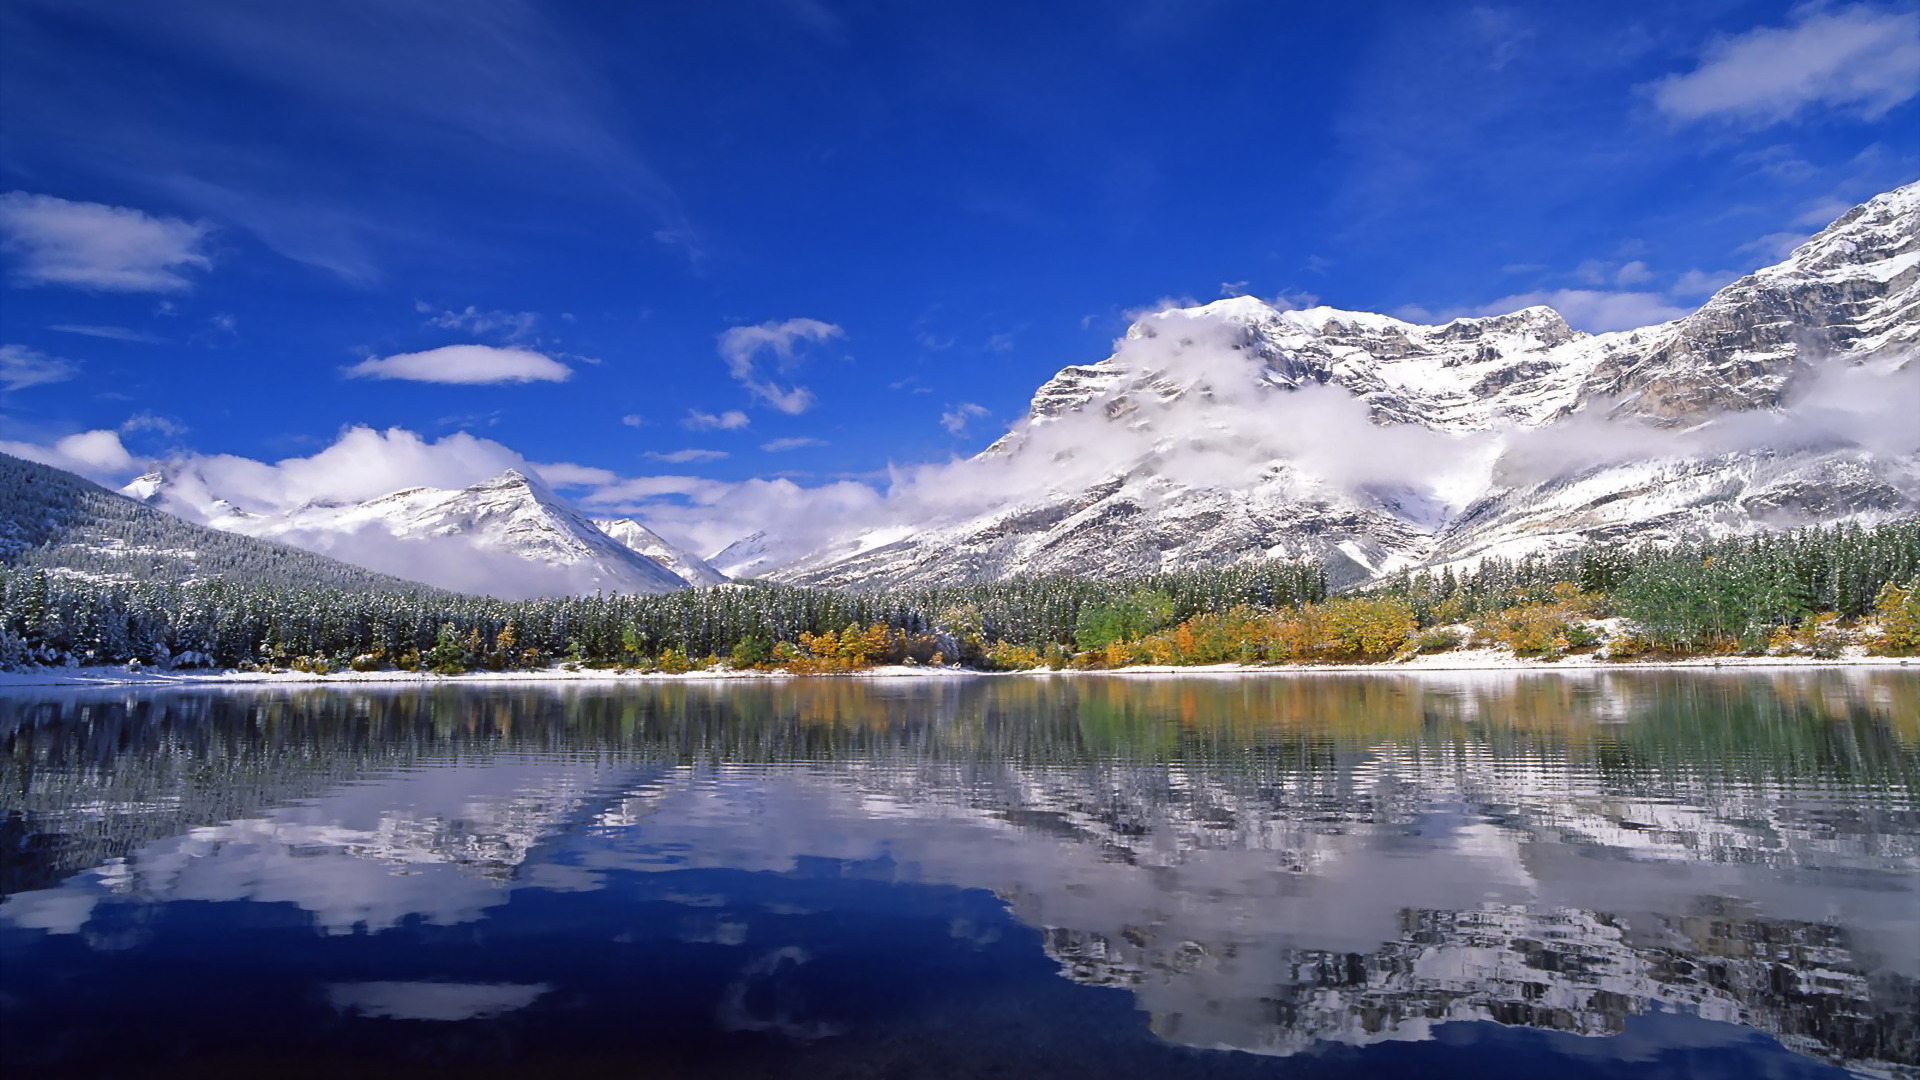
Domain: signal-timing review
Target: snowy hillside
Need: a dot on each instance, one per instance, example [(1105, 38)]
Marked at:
[(685, 565), (69, 527), (1236, 430), (509, 536)]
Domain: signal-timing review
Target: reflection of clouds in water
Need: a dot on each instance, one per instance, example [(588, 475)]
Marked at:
[(1378, 903), (1414, 886), (766, 996), (432, 1000), (441, 844), (702, 931), (57, 911)]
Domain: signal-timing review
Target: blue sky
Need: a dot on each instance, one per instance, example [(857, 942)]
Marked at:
[(803, 239)]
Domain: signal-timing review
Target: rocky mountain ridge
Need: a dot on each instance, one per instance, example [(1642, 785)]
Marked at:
[(1237, 430)]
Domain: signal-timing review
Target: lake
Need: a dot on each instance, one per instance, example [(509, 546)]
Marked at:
[(1487, 875)]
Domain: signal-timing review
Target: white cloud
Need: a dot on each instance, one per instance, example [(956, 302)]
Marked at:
[(1859, 59), (742, 345), (1702, 282), (568, 474), (110, 333), (97, 455), (801, 442), (1823, 212), (1597, 272), (634, 420), (682, 457), (513, 325), (361, 463), (956, 419), (21, 367), (1633, 273), (154, 422), (731, 420), (1774, 246), (470, 365), (95, 246), (1593, 310)]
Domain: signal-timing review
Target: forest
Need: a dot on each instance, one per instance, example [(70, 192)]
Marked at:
[(1805, 592)]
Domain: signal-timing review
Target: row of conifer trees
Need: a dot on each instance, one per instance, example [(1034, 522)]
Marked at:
[(1681, 597)]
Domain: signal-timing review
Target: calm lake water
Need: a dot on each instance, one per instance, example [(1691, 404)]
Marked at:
[(1681, 874)]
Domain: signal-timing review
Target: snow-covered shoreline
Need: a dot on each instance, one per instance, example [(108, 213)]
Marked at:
[(1466, 660)]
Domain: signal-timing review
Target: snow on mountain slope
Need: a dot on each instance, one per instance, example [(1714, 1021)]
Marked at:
[(685, 565), (54, 521), (749, 556), (1235, 430), (1853, 291), (509, 536)]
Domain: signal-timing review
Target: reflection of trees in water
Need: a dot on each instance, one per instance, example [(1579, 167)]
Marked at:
[(86, 776), (1305, 778)]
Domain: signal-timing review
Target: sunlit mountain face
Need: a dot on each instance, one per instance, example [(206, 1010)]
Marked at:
[(1500, 873)]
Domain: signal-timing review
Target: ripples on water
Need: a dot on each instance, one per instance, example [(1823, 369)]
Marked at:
[(1495, 875)]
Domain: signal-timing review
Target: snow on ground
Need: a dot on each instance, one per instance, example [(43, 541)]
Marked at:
[(1484, 660)]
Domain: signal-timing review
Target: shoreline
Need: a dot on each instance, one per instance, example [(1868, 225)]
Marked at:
[(1483, 661)]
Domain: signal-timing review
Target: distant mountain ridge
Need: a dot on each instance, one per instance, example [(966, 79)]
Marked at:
[(55, 521), (509, 536)]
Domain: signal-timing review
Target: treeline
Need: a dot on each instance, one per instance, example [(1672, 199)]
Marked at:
[(50, 617), (1735, 594), (1780, 593)]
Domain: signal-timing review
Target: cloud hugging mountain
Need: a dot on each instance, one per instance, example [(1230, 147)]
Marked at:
[(1241, 430)]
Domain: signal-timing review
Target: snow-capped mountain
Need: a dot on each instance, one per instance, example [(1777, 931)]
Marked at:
[(1237, 430), (508, 536), (685, 565), (749, 556)]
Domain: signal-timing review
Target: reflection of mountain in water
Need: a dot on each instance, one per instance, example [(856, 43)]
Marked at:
[(1567, 970), (1264, 864)]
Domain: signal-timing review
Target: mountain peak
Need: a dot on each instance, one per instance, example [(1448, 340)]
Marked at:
[(688, 567)]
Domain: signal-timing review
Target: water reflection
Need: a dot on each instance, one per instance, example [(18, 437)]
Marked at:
[(1266, 865)]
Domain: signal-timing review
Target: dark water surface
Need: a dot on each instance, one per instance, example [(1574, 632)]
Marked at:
[(1679, 874)]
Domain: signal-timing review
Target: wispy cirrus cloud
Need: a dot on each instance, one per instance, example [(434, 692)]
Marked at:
[(730, 420), (1861, 59), (743, 346), (796, 442), (512, 325), (468, 365), (110, 333), (486, 92), (146, 420), (21, 367), (687, 456), (91, 245), (956, 419), (1702, 282)]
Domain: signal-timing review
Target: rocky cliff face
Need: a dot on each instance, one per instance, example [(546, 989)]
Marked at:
[(1237, 431), (1851, 292)]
